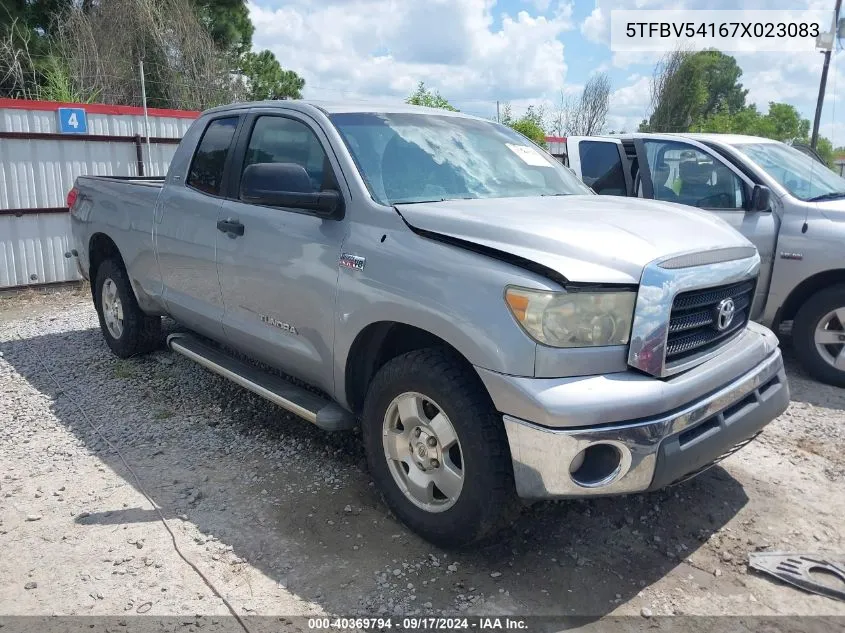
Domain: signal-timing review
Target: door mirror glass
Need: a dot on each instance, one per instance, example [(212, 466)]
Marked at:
[(760, 198), (265, 177), (287, 185)]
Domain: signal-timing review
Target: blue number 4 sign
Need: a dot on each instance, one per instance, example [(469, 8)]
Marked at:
[(73, 121)]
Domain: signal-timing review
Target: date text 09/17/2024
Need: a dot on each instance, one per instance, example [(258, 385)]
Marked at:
[(416, 623)]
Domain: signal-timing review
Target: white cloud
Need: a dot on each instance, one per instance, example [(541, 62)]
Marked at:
[(541, 5), (629, 104), (383, 49), (596, 26)]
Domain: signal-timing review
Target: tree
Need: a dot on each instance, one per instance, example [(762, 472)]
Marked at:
[(267, 80), (687, 88), (782, 122), (587, 114), (228, 23), (99, 49), (422, 96), (530, 124)]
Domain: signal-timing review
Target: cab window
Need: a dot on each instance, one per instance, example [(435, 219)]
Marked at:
[(276, 139), (206, 172), (601, 167), (684, 174)]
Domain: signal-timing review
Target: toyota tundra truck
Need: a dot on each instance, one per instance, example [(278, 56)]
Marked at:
[(496, 330)]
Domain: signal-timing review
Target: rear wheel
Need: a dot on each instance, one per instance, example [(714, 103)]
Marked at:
[(818, 335), (437, 449), (127, 330)]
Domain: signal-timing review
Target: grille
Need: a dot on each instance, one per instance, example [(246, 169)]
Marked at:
[(694, 322)]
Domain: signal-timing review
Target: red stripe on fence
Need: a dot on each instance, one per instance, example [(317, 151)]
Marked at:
[(96, 108)]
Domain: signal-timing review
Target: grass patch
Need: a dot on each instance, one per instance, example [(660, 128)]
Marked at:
[(123, 369)]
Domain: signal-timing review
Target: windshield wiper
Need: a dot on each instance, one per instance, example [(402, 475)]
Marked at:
[(833, 195)]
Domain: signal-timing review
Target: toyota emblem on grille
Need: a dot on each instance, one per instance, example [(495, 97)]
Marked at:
[(725, 314)]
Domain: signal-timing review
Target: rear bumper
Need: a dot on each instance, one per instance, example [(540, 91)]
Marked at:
[(646, 454)]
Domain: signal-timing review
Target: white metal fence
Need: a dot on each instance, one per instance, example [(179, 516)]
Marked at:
[(44, 146)]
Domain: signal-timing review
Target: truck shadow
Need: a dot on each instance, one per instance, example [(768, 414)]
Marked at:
[(804, 388), (297, 504)]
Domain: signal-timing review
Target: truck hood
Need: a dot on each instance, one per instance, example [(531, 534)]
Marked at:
[(591, 239)]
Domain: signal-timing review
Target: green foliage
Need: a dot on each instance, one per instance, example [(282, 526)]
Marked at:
[(690, 87), (782, 122), (825, 149), (56, 83), (267, 80), (422, 96), (530, 124), (185, 65), (228, 24)]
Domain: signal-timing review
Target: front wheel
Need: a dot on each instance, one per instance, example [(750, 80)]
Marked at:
[(437, 449), (818, 335)]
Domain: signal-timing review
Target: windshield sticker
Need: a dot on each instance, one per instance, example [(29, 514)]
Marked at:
[(529, 155)]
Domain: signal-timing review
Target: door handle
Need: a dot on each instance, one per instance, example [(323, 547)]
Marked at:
[(230, 226)]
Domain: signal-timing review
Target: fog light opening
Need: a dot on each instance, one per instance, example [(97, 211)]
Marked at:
[(595, 466)]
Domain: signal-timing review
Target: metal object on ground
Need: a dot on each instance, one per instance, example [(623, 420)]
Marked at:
[(795, 569)]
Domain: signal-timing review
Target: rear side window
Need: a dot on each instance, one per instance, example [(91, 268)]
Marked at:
[(601, 168), (206, 173)]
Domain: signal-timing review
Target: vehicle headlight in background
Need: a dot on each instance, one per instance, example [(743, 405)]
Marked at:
[(574, 319)]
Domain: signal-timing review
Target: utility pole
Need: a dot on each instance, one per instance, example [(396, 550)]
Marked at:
[(498, 120), (146, 118), (823, 83)]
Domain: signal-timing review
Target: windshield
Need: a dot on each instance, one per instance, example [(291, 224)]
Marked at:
[(804, 177), (407, 158)]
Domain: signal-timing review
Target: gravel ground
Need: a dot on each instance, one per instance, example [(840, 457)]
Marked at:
[(284, 520)]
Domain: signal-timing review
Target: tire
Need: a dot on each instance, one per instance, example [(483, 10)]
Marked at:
[(138, 333), (816, 314), (444, 384)]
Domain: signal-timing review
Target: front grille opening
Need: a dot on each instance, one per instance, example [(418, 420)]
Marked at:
[(735, 408), (694, 433), (772, 384), (697, 323)]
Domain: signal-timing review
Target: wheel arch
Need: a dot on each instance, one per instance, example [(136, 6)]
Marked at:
[(806, 289), (378, 343)]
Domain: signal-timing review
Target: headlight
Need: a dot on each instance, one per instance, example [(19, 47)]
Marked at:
[(573, 319)]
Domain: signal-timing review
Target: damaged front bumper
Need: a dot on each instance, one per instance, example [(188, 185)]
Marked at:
[(646, 453)]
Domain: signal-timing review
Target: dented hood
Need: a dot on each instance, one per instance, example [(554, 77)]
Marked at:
[(592, 239)]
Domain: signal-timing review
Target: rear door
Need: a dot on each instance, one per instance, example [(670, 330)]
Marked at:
[(186, 230), (601, 164), (687, 172), (279, 276)]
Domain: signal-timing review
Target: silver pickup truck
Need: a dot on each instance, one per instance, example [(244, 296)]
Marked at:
[(788, 204), (496, 329)]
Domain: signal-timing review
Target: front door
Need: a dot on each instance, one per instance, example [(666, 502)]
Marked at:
[(690, 173), (186, 232), (279, 277)]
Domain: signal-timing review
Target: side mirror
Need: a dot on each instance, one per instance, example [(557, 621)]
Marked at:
[(288, 185), (760, 198)]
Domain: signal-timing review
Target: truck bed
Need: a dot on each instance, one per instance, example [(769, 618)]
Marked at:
[(122, 208)]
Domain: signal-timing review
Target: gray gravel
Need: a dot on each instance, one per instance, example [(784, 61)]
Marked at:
[(284, 518)]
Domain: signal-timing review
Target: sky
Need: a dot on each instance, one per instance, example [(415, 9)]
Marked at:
[(475, 52)]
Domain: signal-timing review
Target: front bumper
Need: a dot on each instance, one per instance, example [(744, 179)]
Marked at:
[(650, 453)]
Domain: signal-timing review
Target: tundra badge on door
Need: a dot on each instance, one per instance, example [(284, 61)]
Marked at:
[(287, 327)]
